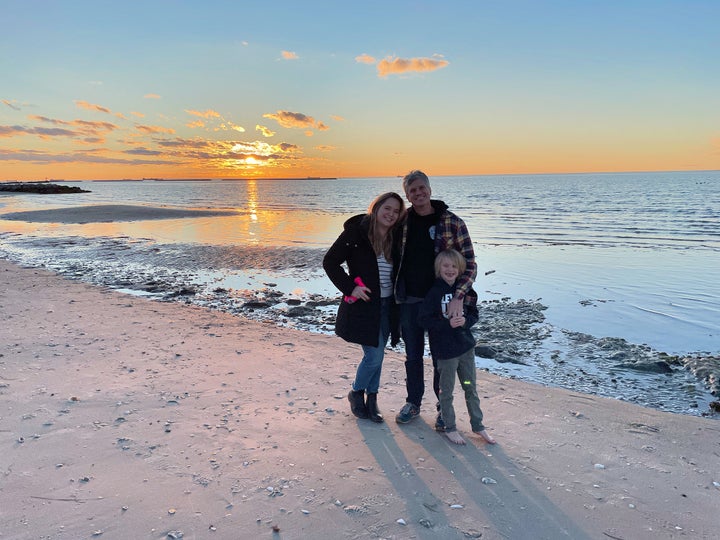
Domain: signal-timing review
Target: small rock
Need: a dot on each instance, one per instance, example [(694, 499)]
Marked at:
[(488, 480), (401, 521)]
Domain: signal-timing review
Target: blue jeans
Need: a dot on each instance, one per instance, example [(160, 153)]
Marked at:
[(414, 337), (367, 376)]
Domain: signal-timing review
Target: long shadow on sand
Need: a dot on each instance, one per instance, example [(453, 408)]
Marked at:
[(514, 507)]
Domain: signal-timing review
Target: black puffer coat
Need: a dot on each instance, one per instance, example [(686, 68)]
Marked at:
[(358, 322)]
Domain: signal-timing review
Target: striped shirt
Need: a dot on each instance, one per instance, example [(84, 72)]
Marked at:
[(385, 272)]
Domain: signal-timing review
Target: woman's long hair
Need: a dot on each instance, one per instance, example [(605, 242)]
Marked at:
[(383, 244)]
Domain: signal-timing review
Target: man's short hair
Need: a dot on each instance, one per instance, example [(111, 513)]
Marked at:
[(412, 176)]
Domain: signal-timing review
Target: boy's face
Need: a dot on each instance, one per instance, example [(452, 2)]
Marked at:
[(449, 271)]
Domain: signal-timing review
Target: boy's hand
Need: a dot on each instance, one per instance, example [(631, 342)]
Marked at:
[(456, 322), (455, 308)]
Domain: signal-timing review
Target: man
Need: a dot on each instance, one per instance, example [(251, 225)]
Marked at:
[(429, 228)]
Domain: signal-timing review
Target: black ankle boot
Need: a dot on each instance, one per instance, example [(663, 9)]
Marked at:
[(372, 408), (357, 403)]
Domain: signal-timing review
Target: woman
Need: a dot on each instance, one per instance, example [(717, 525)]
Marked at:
[(368, 314)]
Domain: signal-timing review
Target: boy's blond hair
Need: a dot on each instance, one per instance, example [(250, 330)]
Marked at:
[(453, 256)]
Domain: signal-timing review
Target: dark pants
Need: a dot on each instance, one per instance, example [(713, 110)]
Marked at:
[(414, 337)]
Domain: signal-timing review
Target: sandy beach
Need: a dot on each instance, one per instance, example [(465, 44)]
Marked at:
[(127, 418)]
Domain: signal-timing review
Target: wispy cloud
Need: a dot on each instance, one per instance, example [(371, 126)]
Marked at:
[(78, 129), (230, 126), (151, 96), (204, 114), (288, 119), (289, 55), (393, 65), (154, 129), (365, 59), (92, 107), (266, 132), (142, 151), (325, 148), (43, 158), (15, 131), (11, 104)]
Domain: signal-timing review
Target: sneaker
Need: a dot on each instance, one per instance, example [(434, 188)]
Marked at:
[(439, 423), (407, 413)]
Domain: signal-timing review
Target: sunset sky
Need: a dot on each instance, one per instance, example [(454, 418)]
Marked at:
[(190, 89)]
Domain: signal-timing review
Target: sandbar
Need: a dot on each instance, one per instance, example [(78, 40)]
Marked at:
[(104, 213)]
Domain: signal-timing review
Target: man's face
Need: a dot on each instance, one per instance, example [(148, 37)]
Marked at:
[(418, 194)]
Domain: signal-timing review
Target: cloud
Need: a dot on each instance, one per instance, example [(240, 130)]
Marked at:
[(229, 126), (295, 120), (393, 65), (204, 114), (325, 148), (151, 96), (15, 131), (322, 127), (154, 129), (365, 59), (11, 104), (289, 55), (92, 107), (337, 118), (81, 130), (196, 124), (266, 132), (143, 152), (138, 114), (43, 158)]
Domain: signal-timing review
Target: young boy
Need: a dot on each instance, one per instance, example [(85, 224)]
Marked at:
[(452, 345)]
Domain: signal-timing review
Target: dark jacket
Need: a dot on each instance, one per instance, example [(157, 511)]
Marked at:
[(446, 341), (358, 322)]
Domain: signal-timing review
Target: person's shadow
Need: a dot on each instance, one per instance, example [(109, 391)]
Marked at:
[(511, 503)]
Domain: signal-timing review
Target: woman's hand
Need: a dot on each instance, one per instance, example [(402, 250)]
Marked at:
[(361, 293), (456, 322)]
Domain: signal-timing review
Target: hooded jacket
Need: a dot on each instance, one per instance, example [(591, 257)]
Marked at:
[(358, 322), (445, 341)]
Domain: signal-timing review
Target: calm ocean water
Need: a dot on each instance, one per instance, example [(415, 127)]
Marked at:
[(632, 255)]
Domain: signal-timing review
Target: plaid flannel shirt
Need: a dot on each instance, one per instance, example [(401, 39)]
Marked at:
[(450, 233)]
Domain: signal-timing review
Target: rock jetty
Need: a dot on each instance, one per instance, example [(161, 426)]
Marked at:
[(39, 187)]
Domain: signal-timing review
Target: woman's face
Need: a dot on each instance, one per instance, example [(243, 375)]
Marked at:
[(388, 213)]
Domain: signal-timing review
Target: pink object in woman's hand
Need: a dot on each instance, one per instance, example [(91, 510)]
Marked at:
[(350, 299)]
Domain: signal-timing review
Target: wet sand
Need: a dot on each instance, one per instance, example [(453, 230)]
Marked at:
[(102, 213), (127, 418)]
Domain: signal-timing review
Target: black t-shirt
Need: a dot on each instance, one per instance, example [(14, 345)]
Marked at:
[(419, 261)]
